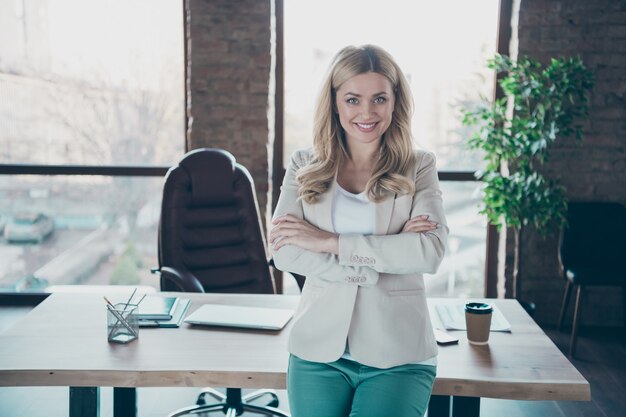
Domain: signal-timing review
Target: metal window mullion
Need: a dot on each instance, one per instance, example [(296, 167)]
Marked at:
[(125, 171)]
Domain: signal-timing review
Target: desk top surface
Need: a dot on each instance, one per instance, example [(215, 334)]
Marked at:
[(62, 342)]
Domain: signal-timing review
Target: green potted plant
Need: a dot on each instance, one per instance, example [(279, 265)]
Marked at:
[(540, 105)]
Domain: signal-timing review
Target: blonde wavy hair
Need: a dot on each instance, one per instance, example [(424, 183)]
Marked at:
[(392, 171)]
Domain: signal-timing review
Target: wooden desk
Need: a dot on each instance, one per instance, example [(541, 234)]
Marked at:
[(521, 365), (62, 342)]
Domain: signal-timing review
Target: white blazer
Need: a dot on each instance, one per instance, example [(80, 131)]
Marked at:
[(373, 292)]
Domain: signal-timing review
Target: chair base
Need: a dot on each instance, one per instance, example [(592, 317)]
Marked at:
[(233, 404)]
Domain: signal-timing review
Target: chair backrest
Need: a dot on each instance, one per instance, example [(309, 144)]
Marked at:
[(595, 235), (210, 225)]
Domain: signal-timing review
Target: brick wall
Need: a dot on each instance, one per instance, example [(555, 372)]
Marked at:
[(228, 81), (595, 30)]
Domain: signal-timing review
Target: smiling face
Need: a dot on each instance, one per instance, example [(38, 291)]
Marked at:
[(365, 105)]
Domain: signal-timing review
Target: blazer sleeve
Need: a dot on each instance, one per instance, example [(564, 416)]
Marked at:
[(290, 258), (405, 253)]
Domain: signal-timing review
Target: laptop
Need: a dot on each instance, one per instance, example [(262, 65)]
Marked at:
[(247, 317)]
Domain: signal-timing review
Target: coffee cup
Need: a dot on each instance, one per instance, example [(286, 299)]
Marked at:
[(478, 322)]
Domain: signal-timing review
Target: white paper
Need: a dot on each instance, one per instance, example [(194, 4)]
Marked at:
[(452, 317)]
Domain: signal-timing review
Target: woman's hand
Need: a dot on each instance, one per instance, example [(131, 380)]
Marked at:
[(290, 230), (419, 224)]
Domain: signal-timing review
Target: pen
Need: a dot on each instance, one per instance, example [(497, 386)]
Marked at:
[(141, 299), (130, 298), (139, 302), (108, 302)]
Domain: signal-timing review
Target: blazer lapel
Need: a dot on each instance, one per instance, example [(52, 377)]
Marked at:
[(383, 211), (324, 207)]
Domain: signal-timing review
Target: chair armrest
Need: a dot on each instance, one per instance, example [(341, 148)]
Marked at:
[(173, 279), (299, 279)]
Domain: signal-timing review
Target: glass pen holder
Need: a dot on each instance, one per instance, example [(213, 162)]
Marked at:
[(122, 324)]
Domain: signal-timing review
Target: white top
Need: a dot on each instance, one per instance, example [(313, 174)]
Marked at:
[(355, 214), (352, 213)]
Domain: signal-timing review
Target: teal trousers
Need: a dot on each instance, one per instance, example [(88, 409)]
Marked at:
[(346, 388)]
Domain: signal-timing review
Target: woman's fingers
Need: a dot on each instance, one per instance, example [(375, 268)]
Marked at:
[(291, 230), (283, 223), (288, 226), (420, 224), (278, 244), (284, 240), (286, 218), (285, 230), (420, 228)]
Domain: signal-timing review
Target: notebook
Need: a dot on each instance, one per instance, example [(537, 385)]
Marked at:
[(177, 316), (157, 308), (240, 316), (152, 307)]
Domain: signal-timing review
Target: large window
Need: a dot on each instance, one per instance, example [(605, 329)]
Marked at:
[(442, 47), (98, 84)]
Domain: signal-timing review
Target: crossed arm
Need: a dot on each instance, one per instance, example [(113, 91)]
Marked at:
[(290, 230), (301, 247)]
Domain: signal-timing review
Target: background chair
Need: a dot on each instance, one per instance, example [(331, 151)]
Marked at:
[(211, 240), (592, 252)]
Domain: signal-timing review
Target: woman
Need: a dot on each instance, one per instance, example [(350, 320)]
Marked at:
[(360, 215)]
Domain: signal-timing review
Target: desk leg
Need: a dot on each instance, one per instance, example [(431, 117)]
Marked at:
[(465, 406), (124, 402), (84, 401), (439, 406)]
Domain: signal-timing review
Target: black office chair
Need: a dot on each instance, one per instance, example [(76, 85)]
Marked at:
[(211, 240), (592, 252)]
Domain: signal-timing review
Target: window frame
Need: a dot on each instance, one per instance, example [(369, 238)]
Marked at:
[(34, 298), (503, 39)]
